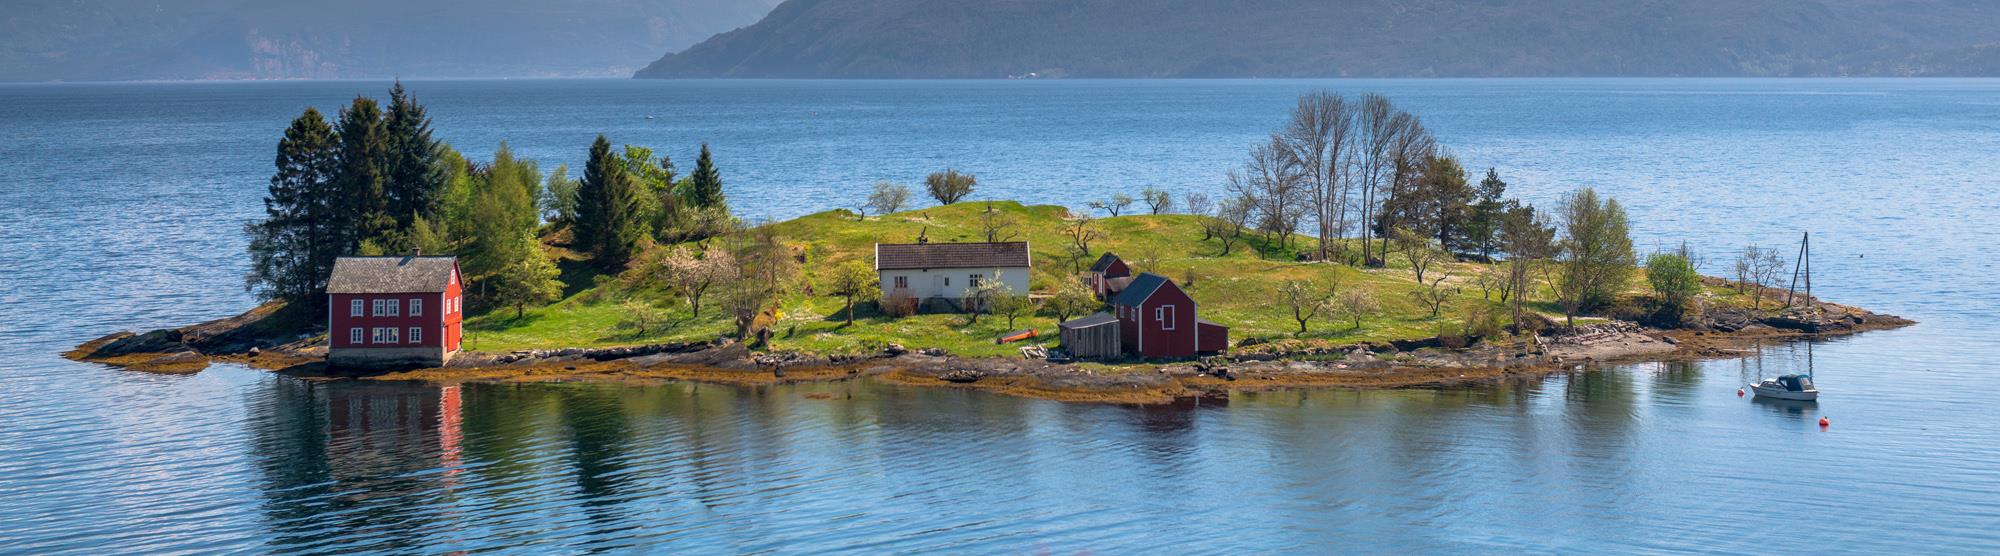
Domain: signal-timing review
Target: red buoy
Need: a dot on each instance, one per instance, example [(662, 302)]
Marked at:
[(1823, 422), (1739, 392)]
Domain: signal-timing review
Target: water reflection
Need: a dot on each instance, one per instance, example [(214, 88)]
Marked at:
[(877, 468)]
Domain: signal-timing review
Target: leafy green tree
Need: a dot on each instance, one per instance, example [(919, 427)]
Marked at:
[(950, 186), (502, 209), (559, 197), (853, 281), (293, 248), (608, 223), (417, 174), (1674, 279), (704, 188), (363, 175), (1484, 218), (530, 279), (1596, 256)]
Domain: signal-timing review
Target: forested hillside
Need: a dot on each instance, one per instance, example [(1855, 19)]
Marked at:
[(1301, 38)]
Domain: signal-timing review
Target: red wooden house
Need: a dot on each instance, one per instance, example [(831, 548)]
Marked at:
[(1157, 320), (1108, 276), (393, 311)]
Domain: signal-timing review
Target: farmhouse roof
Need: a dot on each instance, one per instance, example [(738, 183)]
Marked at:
[(902, 256), (402, 274), (1104, 262), (1140, 289), (1099, 319)]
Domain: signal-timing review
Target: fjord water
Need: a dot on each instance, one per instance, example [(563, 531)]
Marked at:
[(120, 208)]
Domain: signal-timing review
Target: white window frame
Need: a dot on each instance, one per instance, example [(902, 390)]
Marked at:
[(1165, 314), (377, 308), (974, 280), (395, 335), (416, 335), (355, 308), (355, 336), (902, 282), (375, 336), (416, 306), (395, 307)]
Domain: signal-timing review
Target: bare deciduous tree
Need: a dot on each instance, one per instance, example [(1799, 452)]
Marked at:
[(1081, 232), (1157, 200), (997, 224), (888, 197), (1318, 140), (1198, 204), (1357, 304), (1306, 300), (1231, 220), (950, 186), (1113, 206), (1417, 249), (1434, 294)]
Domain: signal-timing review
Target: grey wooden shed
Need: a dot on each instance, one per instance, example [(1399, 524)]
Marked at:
[(1092, 337)]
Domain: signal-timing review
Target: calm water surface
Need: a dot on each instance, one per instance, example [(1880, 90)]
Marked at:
[(120, 206)]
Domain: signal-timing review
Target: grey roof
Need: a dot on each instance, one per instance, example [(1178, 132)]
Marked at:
[(1099, 319), (1141, 288), (1104, 262), (390, 274), (899, 256), (1210, 322)]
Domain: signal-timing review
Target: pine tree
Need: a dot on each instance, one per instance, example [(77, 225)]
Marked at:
[(293, 248), (416, 173), (608, 222), (705, 185), (363, 211)]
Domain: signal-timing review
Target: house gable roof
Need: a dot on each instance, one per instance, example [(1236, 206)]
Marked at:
[(910, 256), (391, 274), (1099, 319), (1104, 262), (1141, 289)]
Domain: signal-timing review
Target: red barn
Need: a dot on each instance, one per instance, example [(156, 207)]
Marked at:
[(1108, 276), (1157, 320), (393, 311)]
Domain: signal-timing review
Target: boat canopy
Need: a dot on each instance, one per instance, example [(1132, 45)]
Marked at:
[(1796, 383)]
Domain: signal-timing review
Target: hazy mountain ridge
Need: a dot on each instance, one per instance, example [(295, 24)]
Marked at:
[(1303, 38), (81, 40)]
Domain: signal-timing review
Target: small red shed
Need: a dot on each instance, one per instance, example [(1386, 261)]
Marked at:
[(1108, 276), (393, 311), (1157, 320)]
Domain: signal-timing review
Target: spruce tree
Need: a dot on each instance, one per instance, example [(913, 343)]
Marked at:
[(293, 248), (608, 222), (705, 185), (416, 172), (363, 208)]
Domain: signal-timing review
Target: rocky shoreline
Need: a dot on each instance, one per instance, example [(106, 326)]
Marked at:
[(246, 339)]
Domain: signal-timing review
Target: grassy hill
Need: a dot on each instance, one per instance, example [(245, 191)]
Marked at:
[(1239, 290)]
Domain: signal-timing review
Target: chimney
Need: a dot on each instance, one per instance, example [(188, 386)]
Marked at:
[(416, 252)]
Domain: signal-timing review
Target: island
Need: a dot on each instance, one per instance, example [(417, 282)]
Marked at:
[(1357, 256)]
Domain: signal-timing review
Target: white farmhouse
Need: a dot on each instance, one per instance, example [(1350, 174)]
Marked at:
[(949, 271)]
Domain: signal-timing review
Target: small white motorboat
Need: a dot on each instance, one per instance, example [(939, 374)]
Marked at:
[(1788, 387)]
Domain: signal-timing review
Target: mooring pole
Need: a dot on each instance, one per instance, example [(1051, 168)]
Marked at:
[(1797, 267)]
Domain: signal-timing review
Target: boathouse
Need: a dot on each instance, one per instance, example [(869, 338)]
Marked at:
[(1156, 319), (386, 312)]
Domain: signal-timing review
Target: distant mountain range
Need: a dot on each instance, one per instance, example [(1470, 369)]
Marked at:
[(82, 40), (1371, 38)]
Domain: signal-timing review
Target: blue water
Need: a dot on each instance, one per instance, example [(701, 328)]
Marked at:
[(120, 206)]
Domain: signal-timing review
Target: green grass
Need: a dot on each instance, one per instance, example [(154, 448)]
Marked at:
[(1239, 290)]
